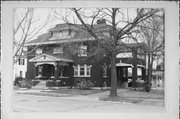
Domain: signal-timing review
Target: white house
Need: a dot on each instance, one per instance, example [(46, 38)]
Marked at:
[(20, 68)]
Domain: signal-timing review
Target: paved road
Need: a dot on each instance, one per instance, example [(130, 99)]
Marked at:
[(34, 103)]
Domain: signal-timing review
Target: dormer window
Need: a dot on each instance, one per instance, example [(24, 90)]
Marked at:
[(39, 51), (63, 34), (58, 50), (82, 50)]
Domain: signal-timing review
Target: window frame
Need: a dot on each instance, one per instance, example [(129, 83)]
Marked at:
[(58, 50), (104, 70), (82, 51), (86, 72)]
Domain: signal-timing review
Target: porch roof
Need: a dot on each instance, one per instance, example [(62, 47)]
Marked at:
[(49, 58), (120, 64)]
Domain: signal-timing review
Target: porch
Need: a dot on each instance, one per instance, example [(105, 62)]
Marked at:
[(48, 67)]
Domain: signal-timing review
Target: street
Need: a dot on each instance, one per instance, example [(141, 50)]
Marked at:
[(34, 103)]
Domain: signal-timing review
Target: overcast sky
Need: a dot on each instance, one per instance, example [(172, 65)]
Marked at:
[(55, 16)]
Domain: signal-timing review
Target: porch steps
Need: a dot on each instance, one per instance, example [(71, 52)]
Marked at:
[(40, 85)]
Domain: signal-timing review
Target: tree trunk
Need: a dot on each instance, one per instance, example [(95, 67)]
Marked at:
[(134, 69), (148, 86), (113, 90)]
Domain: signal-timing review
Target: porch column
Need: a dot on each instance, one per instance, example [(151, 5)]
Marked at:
[(143, 74), (56, 71), (35, 69)]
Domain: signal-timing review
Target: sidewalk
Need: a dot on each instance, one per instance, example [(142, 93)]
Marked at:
[(125, 96)]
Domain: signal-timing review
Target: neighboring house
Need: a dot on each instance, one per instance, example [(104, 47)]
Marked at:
[(20, 67), (158, 79), (52, 57), (158, 76)]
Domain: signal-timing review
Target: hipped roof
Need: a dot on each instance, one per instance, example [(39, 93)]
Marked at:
[(80, 36)]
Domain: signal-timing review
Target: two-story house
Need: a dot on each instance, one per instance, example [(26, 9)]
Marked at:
[(65, 53)]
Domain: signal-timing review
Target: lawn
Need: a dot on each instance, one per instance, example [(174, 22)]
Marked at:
[(74, 91)]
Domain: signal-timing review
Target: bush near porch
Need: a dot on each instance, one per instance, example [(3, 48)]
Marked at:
[(83, 84)]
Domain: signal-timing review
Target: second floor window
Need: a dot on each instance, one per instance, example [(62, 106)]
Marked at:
[(58, 50), (82, 50), (21, 61), (39, 51), (82, 70)]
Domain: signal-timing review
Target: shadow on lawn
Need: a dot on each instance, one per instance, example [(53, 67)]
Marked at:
[(74, 91)]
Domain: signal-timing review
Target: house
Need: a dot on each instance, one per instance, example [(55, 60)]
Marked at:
[(20, 67), (158, 76), (65, 54)]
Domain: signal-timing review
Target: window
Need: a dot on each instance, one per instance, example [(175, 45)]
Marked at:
[(104, 70), (39, 51), (82, 51), (58, 50), (82, 70), (20, 73), (88, 71), (75, 71), (21, 61)]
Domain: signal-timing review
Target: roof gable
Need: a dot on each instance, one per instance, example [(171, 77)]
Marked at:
[(48, 58)]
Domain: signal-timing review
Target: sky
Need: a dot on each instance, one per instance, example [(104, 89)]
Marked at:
[(55, 16)]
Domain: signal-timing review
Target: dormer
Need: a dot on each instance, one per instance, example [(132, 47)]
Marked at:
[(62, 31)]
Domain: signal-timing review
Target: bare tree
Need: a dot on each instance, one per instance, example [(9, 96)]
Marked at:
[(116, 17), (152, 31), (122, 25), (26, 28)]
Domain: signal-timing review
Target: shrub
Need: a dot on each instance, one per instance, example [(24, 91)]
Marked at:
[(83, 83), (147, 87), (17, 81), (22, 82), (51, 83), (25, 84)]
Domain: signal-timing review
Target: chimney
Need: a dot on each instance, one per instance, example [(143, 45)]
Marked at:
[(101, 21)]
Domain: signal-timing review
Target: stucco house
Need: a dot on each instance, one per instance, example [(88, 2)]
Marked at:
[(65, 54)]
